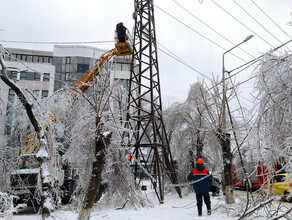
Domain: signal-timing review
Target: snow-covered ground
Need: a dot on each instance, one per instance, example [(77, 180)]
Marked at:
[(174, 208)]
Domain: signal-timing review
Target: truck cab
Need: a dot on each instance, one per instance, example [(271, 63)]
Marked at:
[(25, 179)]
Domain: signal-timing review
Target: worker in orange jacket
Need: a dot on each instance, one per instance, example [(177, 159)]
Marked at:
[(203, 180)]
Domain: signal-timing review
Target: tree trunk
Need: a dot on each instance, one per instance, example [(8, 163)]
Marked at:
[(94, 189), (228, 187), (199, 144), (192, 160)]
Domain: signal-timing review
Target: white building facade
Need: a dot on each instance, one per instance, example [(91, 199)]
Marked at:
[(32, 70)]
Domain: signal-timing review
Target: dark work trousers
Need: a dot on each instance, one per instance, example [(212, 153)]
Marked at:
[(200, 202), (122, 39)]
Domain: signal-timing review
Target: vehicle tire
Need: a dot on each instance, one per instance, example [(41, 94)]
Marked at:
[(288, 196), (17, 201)]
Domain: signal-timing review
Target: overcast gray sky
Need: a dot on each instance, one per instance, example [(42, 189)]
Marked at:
[(191, 40)]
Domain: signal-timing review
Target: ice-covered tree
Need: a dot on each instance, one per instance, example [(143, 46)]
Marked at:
[(43, 156), (274, 87), (190, 133)]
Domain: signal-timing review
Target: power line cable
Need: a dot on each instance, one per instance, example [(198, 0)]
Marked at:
[(256, 21), (196, 32), (47, 42), (271, 19), (170, 52), (255, 60), (175, 57), (241, 23), (182, 62), (211, 28), (248, 64), (185, 64)]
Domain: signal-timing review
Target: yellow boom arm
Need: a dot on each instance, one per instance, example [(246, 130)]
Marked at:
[(30, 144)]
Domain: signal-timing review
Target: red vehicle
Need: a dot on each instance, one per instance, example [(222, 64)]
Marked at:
[(257, 174)]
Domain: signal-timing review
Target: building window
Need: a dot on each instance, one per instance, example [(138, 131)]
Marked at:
[(41, 59), (82, 68), (29, 58), (80, 60), (57, 86), (86, 61), (45, 93), (68, 60), (118, 66), (23, 76), (30, 76), (18, 56), (59, 60), (11, 93), (35, 59), (126, 83), (13, 75), (23, 58), (37, 77), (9, 73), (36, 93), (74, 60), (46, 59), (58, 68), (67, 76), (46, 77), (126, 67), (6, 57)]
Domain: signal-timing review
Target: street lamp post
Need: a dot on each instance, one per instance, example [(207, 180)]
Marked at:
[(224, 137), (223, 82)]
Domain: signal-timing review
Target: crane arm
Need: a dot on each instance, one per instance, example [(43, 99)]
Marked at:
[(83, 83), (30, 144)]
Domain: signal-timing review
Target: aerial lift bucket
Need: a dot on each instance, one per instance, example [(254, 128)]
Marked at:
[(123, 48)]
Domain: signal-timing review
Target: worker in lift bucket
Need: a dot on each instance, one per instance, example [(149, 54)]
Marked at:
[(121, 32)]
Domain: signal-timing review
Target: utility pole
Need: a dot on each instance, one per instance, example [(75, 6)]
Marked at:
[(149, 143)]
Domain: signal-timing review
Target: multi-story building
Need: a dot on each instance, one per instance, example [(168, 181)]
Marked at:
[(43, 72), (33, 70)]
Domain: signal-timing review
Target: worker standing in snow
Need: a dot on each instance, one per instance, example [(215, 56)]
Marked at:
[(203, 180), (121, 32)]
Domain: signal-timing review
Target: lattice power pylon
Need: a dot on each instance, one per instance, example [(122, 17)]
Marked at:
[(149, 143)]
